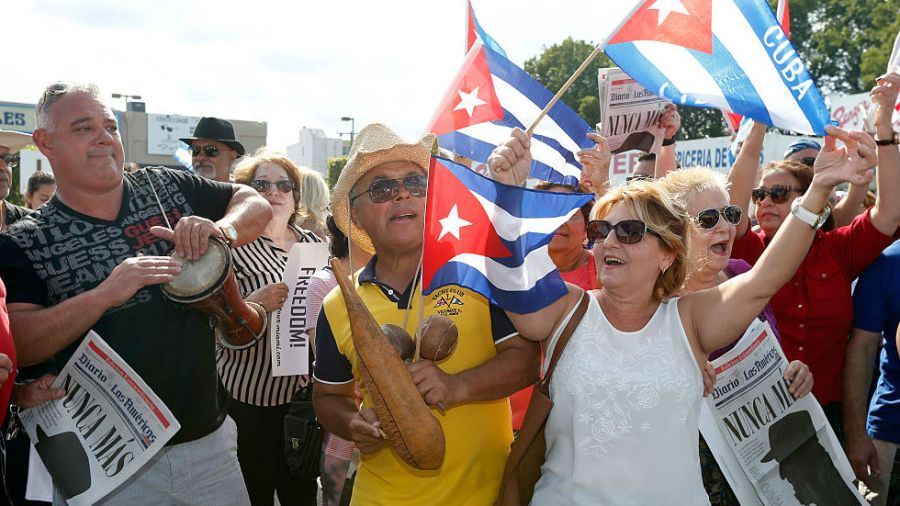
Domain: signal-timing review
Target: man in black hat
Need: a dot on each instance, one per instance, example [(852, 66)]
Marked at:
[(214, 149), (805, 463)]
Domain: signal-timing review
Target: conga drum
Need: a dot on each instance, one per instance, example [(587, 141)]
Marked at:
[(209, 286)]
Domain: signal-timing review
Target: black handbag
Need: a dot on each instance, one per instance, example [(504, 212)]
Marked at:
[(302, 435)]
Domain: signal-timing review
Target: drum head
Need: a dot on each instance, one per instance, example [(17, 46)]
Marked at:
[(200, 278)]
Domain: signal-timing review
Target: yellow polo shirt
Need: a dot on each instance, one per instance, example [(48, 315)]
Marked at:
[(477, 435)]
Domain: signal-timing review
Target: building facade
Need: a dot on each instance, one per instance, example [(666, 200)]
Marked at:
[(314, 149)]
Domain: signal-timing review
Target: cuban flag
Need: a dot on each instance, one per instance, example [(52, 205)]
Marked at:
[(493, 238), (489, 97), (727, 54), (475, 33)]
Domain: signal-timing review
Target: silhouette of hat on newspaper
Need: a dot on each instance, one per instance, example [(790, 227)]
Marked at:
[(787, 434), (65, 459)]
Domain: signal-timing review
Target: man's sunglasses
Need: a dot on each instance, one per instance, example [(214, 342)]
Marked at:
[(627, 231), (778, 193), (382, 190), (10, 158), (209, 150), (263, 186), (808, 161), (709, 218)]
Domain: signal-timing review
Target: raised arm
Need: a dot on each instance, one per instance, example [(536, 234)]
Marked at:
[(666, 161), (743, 174), (595, 164), (885, 215), (718, 314), (850, 206)]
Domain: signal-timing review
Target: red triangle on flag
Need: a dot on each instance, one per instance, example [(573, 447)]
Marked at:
[(471, 98), (471, 32), (685, 23), (455, 223)]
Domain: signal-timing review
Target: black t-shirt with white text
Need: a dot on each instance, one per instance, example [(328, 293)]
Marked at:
[(57, 253)]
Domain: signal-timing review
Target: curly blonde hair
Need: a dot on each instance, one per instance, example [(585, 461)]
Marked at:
[(650, 203), (246, 168)]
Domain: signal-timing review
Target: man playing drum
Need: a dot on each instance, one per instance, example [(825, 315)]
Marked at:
[(91, 258), (379, 202)]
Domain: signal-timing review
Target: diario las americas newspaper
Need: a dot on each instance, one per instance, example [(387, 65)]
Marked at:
[(105, 428), (629, 113), (773, 449)]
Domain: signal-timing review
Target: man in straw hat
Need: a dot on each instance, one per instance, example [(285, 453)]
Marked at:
[(92, 259), (10, 145), (214, 149), (379, 202)]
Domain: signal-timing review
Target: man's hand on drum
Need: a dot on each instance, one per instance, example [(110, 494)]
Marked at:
[(271, 297), (365, 431), (437, 387), (135, 273), (190, 236)]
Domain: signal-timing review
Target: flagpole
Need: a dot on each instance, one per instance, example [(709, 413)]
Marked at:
[(584, 65)]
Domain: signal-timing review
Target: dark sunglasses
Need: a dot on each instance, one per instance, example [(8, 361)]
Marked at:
[(627, 231), (808, 161), (10, 158), (778, 193), (209, 150), (382, 190), (263, 186), (709, 218)]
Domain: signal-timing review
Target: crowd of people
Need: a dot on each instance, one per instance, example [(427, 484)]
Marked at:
[(675, 265)]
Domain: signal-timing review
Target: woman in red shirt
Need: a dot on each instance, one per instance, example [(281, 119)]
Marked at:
[(815, 310)]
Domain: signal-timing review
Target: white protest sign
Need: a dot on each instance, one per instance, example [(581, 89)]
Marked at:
[(287, 327)]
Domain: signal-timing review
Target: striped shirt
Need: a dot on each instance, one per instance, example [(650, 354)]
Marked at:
[(247, 373)]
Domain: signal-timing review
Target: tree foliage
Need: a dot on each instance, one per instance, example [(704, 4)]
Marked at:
[(335, 166)]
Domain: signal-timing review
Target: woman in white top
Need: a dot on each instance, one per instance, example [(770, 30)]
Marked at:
[(627, 389)]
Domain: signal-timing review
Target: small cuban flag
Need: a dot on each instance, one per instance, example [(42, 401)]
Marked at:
[(493, 238)]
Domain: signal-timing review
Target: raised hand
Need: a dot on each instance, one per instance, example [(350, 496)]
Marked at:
[(670, 120), (595, 163), (850, 162), (884, 95), (510, 162)]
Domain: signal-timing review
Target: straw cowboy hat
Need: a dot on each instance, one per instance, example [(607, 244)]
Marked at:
[(374, 145), (14, 141)]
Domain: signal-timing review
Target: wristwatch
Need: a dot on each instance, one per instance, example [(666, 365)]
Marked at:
[(894, 140), (230, 233), (810, 218)]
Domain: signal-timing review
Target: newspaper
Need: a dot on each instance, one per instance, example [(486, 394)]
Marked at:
[(105, 428), (773, 449), (628, 113)]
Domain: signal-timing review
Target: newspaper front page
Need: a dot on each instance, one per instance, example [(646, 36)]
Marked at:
[(105, 428), (773, 449), (628, 113)]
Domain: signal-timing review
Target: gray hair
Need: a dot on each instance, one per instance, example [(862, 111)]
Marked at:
[(42, 116)]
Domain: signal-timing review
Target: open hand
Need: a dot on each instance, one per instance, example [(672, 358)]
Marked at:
[(135, 273), (849, 163), (884, 96)]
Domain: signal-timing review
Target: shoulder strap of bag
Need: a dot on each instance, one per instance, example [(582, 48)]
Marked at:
[(565, 336)]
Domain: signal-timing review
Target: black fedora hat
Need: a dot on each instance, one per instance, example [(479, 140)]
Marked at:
[(788, 434), (218, 130)]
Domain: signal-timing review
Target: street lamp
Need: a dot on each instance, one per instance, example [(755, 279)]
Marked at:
[(126, 97), (352, 127)]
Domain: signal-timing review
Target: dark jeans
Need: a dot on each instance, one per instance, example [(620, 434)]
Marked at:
[(261, 455)]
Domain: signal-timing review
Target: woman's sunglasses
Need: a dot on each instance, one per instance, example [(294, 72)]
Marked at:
[(627, 231), (263, 186), (209, 150), (778, 193), (709, 218), (382, 190)]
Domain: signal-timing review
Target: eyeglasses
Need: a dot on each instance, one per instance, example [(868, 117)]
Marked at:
[(808, 161), (709, 218), (208, 150), (10, 158), (263, 186), (627, 231), (779, 193), (382, 190), (638, 177)]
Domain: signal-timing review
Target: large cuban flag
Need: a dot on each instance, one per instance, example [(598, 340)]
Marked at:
[(489, 97), (493, 238), (727, 54)]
